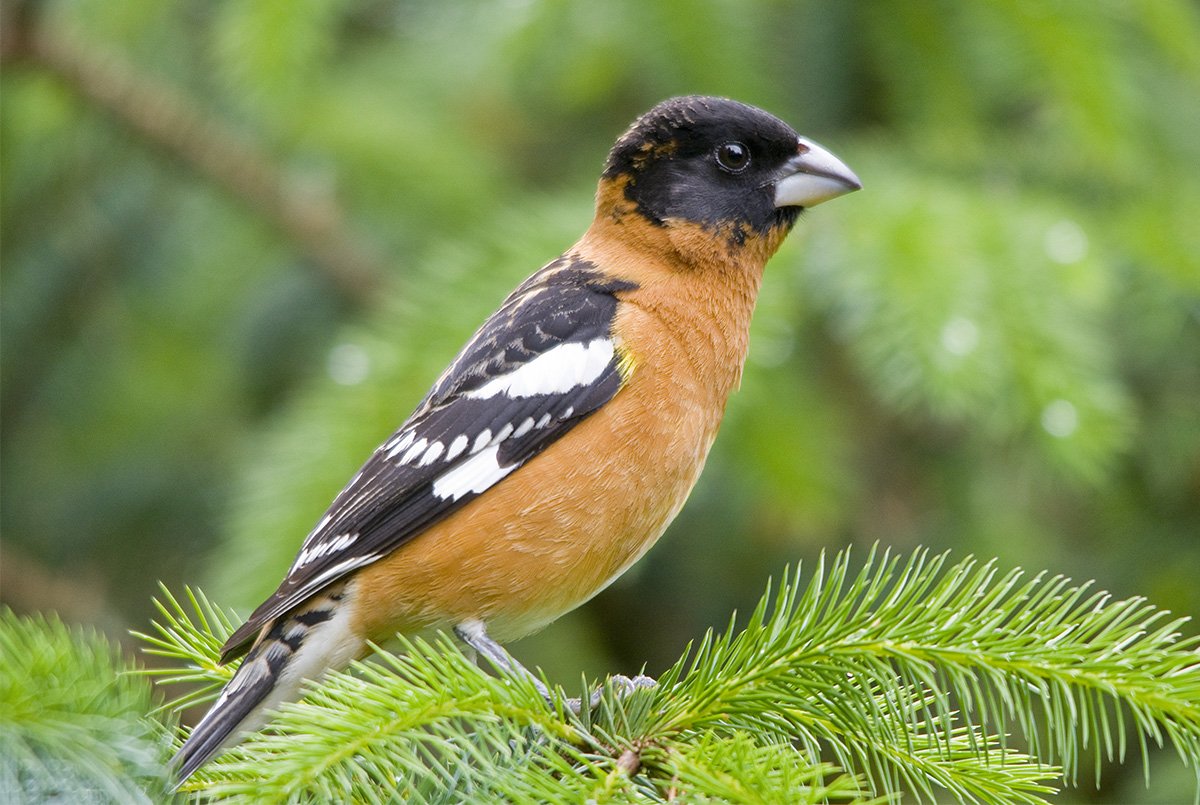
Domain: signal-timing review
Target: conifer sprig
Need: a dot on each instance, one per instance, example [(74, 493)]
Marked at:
[(911, 675)]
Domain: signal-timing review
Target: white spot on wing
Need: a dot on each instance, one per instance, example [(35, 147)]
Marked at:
[(400, 443), (325, 547), (414, 451), (431, 455), (555, 371), (544, 421), (476, 474), (481, 441), (457, 446), (523, 428)]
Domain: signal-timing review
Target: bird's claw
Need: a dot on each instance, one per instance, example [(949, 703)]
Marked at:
[(622, 686)]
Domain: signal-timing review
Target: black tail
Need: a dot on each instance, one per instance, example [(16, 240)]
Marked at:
[(239, 707), (299, 646)]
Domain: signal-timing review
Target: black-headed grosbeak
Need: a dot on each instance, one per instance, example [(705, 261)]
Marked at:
[(566, 435)]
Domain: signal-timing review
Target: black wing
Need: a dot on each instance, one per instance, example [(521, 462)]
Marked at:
[(543, 362)]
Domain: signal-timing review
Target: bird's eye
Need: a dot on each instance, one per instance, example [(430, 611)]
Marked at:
[(733, 157)]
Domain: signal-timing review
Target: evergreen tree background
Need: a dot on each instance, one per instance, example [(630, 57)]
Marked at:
[(241, 239)]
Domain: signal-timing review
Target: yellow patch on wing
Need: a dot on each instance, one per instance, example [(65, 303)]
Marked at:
[(626, 363)]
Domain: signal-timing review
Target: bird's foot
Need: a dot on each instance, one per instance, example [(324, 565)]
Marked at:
[(622, 686), (474, 635)]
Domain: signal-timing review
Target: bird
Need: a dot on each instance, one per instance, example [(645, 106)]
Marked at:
[(565, 436)]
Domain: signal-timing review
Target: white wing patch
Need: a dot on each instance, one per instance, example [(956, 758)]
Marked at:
[(324, 548), (457, 446), (476, 474), (431, 455), (399, 443), (482, 440), (555, 371), (417, 449)]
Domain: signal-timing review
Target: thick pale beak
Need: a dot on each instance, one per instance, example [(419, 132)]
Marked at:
[(812, 176)]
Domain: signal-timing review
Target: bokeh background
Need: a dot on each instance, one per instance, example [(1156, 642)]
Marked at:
[(241, 239)]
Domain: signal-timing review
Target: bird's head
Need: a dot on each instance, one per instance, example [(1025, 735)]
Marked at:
[(700, 166)]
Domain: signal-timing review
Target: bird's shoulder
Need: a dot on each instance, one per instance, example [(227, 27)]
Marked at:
[(568, 301)]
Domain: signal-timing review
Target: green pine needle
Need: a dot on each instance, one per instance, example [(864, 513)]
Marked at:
[(192, 635), (911, 676), (74, 726)]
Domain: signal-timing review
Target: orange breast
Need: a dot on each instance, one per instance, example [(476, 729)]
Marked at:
[(556, 531), (559, 529)]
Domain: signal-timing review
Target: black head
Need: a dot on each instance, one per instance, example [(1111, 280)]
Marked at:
[(719, 163)]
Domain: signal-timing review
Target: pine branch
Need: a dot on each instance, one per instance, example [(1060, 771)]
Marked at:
[(194, 636), (910, 674), (73, 723), (1008, 652)]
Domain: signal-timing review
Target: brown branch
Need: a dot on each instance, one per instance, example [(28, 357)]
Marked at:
[(170, 122)]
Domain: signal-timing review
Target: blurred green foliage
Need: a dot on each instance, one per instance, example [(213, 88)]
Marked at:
[(75, 725), (994, 347)]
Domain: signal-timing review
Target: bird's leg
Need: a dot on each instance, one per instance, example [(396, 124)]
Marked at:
[(475, 636)]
